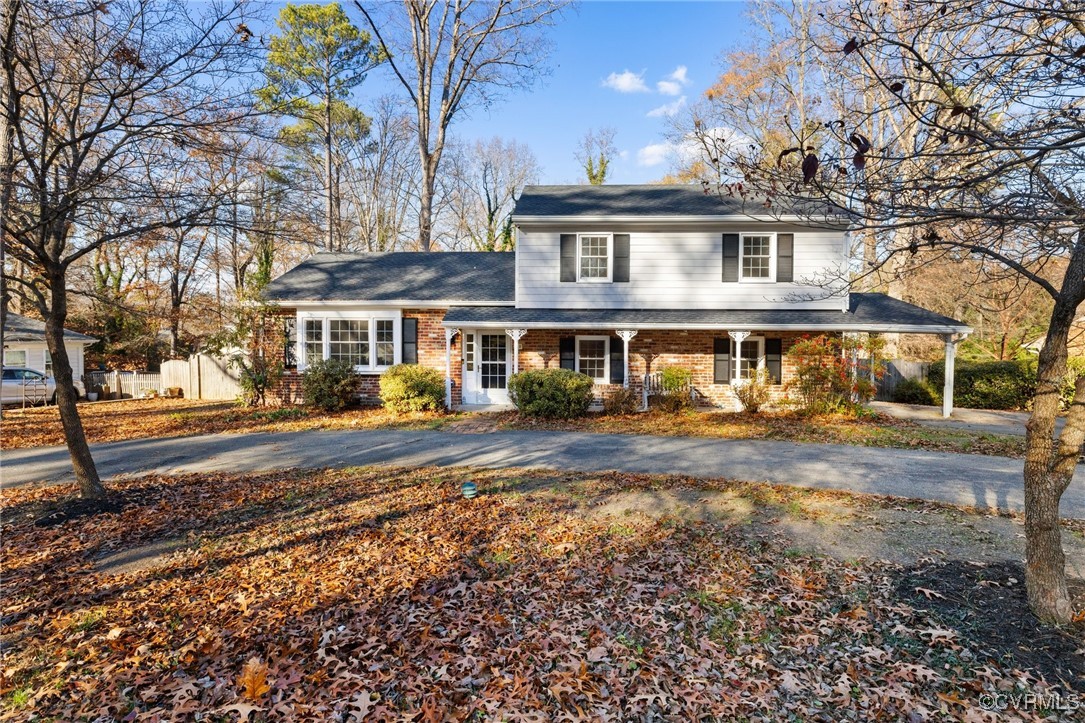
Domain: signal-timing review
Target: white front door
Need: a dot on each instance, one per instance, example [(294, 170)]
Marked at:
[(485, 367)]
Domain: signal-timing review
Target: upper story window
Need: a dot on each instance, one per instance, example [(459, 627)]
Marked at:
[(756, 257), (594, 257)]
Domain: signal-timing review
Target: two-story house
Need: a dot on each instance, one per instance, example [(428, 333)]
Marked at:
[(615, 282)]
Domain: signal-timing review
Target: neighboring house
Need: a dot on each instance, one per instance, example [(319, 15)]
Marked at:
[(24, 346), (1075, 340), (613, 281)]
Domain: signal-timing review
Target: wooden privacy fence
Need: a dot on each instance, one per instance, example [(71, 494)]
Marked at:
[(896, 371), (125, 385), (202, 377)]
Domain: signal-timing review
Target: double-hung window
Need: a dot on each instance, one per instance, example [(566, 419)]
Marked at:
[(348, 340), (314, 341), (756, 257), (593, 357), (594, 261)]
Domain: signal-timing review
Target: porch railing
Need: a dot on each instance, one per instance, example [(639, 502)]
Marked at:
[(653, 384)]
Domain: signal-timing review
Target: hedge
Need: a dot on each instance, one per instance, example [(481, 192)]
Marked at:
[(988, 385)]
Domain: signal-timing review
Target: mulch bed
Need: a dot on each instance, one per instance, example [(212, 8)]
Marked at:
[(987, 605)]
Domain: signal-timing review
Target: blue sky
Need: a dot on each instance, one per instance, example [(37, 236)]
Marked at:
[(613, 64)]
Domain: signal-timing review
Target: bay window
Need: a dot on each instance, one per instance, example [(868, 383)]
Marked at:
[(367, 342)]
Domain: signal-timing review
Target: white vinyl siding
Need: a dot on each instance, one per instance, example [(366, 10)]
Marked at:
[(677, 269), (35, 355)]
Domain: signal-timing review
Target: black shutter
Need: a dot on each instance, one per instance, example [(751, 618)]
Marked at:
[(567, 346), (409, 352), (721, 350), (621, 257), (290, 342), (568, 257), (617, 360), (730, 257), (774, 359), (785, 257)]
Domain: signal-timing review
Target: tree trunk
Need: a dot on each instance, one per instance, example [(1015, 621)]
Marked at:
[(1045, 478), (425, 208), (86, 474), (330, 240)]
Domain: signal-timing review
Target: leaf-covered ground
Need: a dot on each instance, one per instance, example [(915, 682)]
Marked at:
[(147, 418), (376, 594), (140, 419)]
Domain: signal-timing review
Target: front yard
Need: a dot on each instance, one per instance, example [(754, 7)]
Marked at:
[(385, 595), (138, 419)]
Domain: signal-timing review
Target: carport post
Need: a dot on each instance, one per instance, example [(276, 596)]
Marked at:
[(947, 389)]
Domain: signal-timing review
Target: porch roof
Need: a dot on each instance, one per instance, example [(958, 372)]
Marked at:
[(866, 313)]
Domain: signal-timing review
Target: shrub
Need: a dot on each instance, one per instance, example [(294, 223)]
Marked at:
[(671, 402), (1075, 367), (914, 391), (988, 385), (551, 393), (256, 375), (621, 401), (830, 376), (412, 388), (329, 384), (675, 379), (753, 393)]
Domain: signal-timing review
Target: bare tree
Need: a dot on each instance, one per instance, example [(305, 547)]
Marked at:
[(98, 93), (989, 160), (486, 178), (452, 56), (595, 152)]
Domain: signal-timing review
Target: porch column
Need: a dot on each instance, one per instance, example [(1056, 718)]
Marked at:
[(517, 335), (626, 335), (449, 336), (947, 389), (736, 362)]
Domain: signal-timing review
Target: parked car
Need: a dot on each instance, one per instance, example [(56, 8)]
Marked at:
[(28, 386)]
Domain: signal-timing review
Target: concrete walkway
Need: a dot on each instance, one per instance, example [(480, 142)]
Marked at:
[(972, 480), (983, 421)]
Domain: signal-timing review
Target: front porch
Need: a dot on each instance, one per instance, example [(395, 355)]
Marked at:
[(485, 345)]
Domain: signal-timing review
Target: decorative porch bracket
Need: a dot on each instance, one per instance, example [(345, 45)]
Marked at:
[(951, 341), (450, 334), (626, 335), (516, 335)]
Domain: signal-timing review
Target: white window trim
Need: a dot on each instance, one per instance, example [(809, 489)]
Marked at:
[(11, 362), (610, 258), (606, 357), (762, 362), (369, 315), (772, 257)]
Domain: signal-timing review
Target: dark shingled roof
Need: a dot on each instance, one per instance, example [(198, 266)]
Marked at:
[(22, 328), (465, 277), (867, 312), (649, 200)]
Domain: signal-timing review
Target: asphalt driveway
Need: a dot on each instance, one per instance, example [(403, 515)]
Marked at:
[(962, 479)]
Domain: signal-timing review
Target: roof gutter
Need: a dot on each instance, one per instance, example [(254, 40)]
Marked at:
[(683, 220), (852, 327), (395, 303)]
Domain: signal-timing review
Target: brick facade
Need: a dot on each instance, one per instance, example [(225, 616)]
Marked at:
[(650, 351)]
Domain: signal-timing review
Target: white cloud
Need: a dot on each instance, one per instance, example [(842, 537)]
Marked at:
[(626, 82), (668, 109), (623, 154), (654, 154), (674, 82)]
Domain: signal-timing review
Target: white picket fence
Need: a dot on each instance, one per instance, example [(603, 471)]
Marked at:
[(124, 385), (202, 376)]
